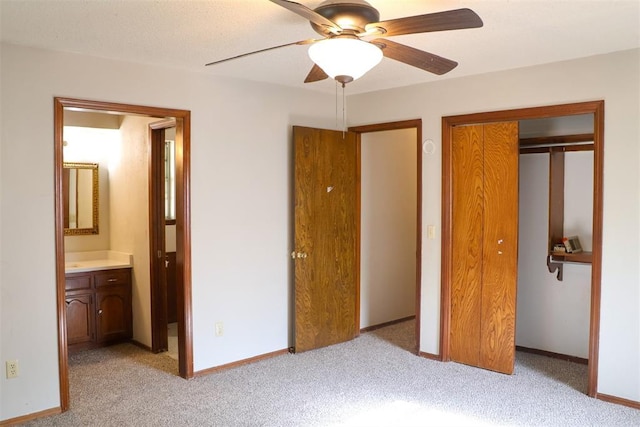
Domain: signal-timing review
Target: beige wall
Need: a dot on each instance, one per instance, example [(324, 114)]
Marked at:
[(388, 226), (129, 212)]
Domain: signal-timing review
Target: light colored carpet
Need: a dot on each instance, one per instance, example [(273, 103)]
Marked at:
[(370, 381)]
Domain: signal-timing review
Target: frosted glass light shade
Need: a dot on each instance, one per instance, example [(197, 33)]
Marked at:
[(345, 57)]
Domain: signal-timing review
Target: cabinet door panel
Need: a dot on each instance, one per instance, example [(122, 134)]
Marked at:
[(500, 246), (467, 208), (113, 315), (80, 315)]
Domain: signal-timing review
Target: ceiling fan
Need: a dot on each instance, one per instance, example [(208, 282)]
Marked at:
[(354, 39)]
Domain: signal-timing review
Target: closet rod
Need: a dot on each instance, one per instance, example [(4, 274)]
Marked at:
[(556, 148), (557, 140)]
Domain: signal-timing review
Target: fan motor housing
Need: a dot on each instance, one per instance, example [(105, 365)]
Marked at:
[(351, 16)]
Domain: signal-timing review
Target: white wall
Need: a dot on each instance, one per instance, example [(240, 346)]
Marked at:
[(553, 315), (613, 78), (240, 205), (388, 226)]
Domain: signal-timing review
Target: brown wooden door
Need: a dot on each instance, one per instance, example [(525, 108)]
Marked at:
[(467, 219), (485, 245), (157, 215), (326, 237)]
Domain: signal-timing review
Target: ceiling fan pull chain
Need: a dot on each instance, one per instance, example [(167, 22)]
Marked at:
[(344, 113), (336, 104)]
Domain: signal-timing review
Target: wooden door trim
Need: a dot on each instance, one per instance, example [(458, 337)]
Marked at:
[(378, 127), (358, 259), (593, 107), (158, 280), (183, 229)]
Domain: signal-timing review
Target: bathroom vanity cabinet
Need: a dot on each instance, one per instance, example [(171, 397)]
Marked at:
[(98, 308)]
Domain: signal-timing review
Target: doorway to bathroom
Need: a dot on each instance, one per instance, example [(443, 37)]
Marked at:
[(142, 164), (162, 227)]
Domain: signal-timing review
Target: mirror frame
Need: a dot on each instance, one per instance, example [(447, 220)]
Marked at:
[(95, 201)]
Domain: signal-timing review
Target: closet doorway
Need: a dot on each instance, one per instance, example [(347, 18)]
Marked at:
[(596, 109)]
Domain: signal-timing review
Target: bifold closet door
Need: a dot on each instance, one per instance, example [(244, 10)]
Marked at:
[(485, 243)]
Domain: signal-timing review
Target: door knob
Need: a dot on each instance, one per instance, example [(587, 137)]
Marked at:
[(100, 311)]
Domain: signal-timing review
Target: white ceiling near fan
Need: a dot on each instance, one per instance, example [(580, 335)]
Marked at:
[(191, 33)]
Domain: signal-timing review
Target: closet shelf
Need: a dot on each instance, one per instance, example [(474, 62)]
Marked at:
[(580, 257), (557, 260)]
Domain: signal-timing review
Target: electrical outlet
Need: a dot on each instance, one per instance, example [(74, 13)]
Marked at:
[(219, 329), (12, 369)]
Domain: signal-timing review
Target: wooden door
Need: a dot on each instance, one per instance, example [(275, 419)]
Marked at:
[(467, 219), (157, 215), (485, 243), (326, 237), (500, 247)]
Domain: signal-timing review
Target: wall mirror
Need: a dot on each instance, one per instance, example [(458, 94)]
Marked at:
[(80, 193)]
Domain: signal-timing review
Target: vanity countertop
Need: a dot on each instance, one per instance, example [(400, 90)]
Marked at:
[(81, 262)]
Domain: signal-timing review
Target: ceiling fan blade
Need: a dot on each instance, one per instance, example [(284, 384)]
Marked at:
[(440, 21), (418, 58), (309, 14), (315, 75), (301, 42)]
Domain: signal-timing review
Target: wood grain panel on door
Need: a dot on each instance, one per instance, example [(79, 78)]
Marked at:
[(467, 209), (325, 237), (500, 246)]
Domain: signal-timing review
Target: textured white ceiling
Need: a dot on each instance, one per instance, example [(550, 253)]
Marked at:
[(191, 33)]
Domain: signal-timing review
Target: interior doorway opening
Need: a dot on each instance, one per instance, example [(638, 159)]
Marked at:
[(556, 194), (409, 133), (596, 110), (327, 221), (162, 243), (183, 237)]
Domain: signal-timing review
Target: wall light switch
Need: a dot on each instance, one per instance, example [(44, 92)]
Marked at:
[(431, 232)]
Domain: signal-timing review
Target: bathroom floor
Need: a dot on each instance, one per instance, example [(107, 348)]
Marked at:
[(172, 328)]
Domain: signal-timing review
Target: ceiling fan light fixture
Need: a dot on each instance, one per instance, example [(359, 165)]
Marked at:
[(345, 59)]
